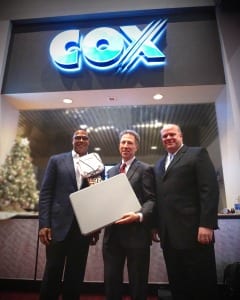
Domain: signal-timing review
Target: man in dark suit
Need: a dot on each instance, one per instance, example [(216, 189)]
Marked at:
[(130, 237), (187, 206), (66, 247)]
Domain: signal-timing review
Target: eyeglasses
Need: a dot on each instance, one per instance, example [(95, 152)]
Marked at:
[(79, 137)]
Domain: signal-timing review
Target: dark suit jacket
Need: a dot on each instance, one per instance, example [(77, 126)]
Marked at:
[(141, 178), (187, 196), (55, 209)]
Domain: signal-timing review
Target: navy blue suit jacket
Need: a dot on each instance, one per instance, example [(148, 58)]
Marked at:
[(55, 210), (140, 176)]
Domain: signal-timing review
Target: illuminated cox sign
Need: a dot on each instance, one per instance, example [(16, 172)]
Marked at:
[(106, 48)]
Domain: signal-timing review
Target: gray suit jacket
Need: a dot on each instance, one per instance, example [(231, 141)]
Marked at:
[(136, 234)]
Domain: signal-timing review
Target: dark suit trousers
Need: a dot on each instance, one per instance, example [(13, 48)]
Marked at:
[(192, 272), (115, 254), (70, 254)]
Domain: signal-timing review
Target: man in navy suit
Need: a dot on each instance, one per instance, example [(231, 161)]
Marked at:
[(130, 237), (66, 247), (187, 206)]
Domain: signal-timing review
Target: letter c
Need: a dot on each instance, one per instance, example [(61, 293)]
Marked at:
[(65, 50)]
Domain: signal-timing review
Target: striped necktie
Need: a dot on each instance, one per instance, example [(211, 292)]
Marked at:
[(123, 168)]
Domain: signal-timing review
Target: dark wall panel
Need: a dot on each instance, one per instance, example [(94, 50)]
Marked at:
[(190, 44)]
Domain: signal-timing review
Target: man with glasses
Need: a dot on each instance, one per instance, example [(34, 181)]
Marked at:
[(66, 247)]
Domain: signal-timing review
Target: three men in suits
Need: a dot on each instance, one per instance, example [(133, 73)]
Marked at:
[(66, 247), (130, 237), (187, 206)]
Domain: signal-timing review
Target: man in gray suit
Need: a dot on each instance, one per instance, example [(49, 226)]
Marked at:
[(130, 237), (66, 247), (186, 208)]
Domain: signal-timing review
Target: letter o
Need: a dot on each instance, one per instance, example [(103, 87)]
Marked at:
[(103, 46)]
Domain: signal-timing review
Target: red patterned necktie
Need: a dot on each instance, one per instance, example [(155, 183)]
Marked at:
[(123, 168)]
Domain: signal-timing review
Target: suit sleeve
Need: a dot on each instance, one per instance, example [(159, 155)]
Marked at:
[(148, 194), (208, 190), (46, 194)]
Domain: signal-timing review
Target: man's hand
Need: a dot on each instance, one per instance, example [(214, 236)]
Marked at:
[(45, 235), (205, 235), (128, 218)]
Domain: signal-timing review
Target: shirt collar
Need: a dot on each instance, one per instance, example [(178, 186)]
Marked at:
[(176, 151), (74, 154), (129, 162)]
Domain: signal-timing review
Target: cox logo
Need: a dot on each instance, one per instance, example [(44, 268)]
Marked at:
[(105, 48)]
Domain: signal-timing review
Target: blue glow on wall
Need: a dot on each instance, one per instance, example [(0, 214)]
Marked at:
[(106, 48)]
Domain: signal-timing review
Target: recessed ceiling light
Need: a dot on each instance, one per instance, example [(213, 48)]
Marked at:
[(153, 147), (67, 101), (157, 97), (97, 149), (83, 126)]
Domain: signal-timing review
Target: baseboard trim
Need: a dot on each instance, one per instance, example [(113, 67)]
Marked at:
[(87, 287)]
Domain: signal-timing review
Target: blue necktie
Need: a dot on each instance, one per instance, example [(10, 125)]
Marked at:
[(169, 160)]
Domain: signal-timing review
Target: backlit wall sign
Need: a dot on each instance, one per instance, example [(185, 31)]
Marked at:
[(106, 48)]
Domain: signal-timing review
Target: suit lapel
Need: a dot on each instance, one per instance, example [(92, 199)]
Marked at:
[(117, 170), (177, 157), (133, 168), (161, 166), (68, 161), (131, 171)]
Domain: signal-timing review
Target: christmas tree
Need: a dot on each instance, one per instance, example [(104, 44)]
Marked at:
[(18, 184)]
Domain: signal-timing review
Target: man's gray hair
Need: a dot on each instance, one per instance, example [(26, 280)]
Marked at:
[(132, 132)]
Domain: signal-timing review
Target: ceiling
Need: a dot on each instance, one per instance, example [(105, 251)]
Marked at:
[(115, 97), (105, 115)]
